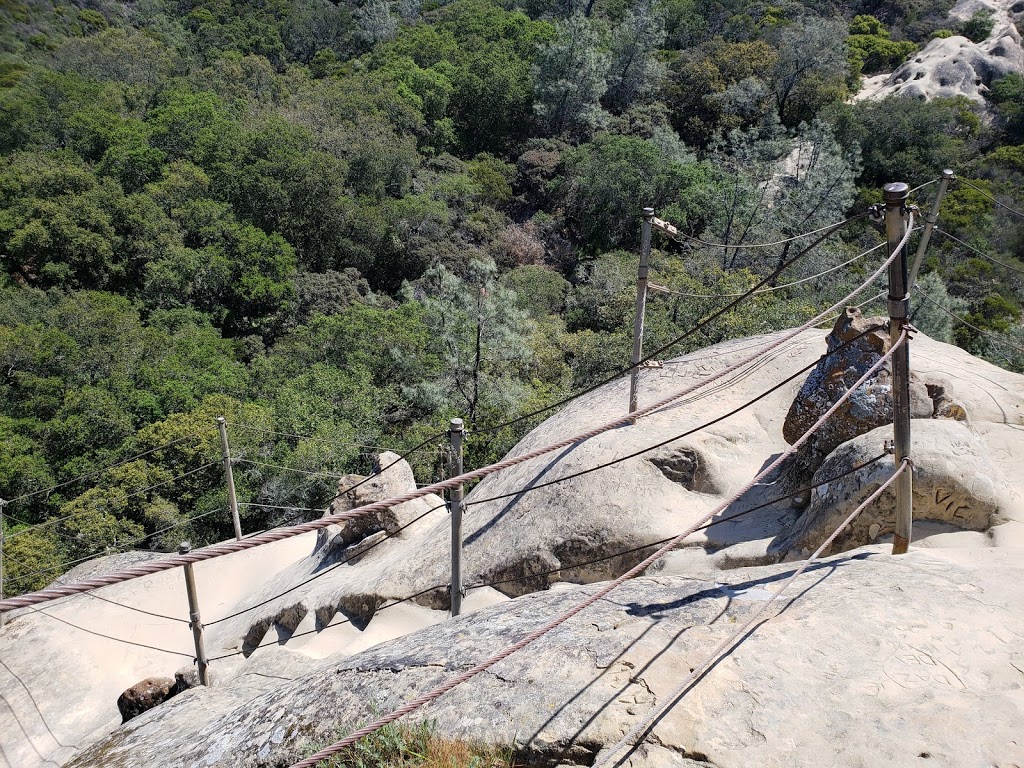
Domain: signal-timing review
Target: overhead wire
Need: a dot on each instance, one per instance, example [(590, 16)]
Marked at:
[(630, 738), (599, 594), (98, 472), (665, 347), (983, 255), (229, 547), (288, 469), (772, 244)]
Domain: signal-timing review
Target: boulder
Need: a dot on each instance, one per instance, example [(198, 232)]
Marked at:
[(955, 66), (851, 671), (955, 483), (871, 404), (145, 695), (392, 476)]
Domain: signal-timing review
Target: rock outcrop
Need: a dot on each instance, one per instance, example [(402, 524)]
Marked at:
[(955, 66), (875, 660), (956, 488), (309, 634), (145, 695)]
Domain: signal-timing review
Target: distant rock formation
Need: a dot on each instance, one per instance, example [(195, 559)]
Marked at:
[(955, 66)]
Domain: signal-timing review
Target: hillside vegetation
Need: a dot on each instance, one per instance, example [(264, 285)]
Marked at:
[(340, 224)]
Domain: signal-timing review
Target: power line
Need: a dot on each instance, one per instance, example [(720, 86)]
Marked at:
[(665, 347), (136, 610), (978, 252), (96, 473), (990, 197), (137, 492), (734, 637)]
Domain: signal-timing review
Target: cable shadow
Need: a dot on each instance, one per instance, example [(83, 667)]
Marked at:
[(507, 507), (635, 674), (39, 713), (830, 568)]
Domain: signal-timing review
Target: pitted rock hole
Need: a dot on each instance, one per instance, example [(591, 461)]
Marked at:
[(683, 466)]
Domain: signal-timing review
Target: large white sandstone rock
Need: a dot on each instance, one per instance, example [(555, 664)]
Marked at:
[(955, 66), (876, 660), (62, 684)]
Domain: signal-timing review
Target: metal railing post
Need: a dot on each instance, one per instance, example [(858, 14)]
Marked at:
[(194, 620), (455, 435), (929, 225), (895, 195), (641, 306), (229, 476)]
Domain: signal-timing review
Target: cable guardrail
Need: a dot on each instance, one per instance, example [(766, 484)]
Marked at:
[(98, 472), (726, 645), (224, 548), (312, 438), (991, 197), (599, 594), (962, 321), (655, 288), (361, 552), (700, 326), (121, 494)]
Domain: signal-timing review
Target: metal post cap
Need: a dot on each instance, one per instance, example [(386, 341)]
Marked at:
[(895, 191), (456, 425), (948, 174), (184, 548), (648, 213), (220, 419)]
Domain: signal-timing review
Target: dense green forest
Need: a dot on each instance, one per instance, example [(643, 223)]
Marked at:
[(340, 224)]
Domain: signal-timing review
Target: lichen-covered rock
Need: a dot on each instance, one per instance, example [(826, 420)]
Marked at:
[(870, 405), (145, 695), (955, 484)]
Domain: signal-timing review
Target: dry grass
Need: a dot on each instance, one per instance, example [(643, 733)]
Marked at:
[(402, 745)]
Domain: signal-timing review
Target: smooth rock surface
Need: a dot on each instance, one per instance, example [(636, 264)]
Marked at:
[(954, 484), (878, 660)]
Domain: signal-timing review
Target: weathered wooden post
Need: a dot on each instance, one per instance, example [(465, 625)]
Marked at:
[(194, 620), (641, 307), (895, 196), (229, 476), (455, 435)]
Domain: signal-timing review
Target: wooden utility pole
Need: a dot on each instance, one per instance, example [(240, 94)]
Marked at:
[(895, 196), (455, 435), (641, 306)]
